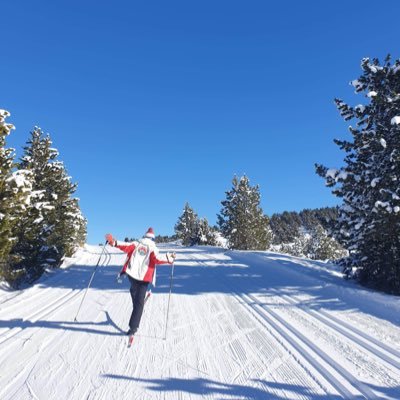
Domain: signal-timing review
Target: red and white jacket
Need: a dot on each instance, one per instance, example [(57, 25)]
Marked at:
[(141, 260)]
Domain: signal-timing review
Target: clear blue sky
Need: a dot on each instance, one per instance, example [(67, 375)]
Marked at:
[(155, 103)]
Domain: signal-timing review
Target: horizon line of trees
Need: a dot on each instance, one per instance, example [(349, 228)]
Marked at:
[(40, 219), (242, 225)]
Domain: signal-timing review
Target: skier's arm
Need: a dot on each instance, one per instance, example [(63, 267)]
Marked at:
[(154, 259), (125, 247)]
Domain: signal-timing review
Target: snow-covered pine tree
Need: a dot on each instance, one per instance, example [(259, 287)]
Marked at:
[(369, 218), (285, 227), (307, 233), (53, 224), (187, 226), (165, 238), (66, 222), (6, 165), (205, 234), (15, 192), (241, 220), (30, 250)]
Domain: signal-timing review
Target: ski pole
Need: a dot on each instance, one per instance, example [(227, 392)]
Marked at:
[(90, 281), (169, 298)]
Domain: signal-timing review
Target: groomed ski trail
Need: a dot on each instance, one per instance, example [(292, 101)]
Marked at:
[(242, 325)]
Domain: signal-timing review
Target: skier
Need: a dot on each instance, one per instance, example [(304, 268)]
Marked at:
[(140, 264)]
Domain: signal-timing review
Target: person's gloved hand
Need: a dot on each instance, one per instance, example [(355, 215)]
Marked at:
[(110, 239), (171, 257)]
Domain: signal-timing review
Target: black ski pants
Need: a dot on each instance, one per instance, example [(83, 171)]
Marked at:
[(138, 293)]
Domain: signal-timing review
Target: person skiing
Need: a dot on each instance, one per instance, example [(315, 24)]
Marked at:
[(140, 267)]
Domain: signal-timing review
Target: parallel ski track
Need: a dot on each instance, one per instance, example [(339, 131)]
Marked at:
[(316, 357), (51, 281), (311, 352), (54, 343), (361, 339), (48, 309), (44, 312), (378, 349)]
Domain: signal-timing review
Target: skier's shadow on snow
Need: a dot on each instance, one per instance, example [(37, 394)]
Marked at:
[(204, 387), (75, 326)]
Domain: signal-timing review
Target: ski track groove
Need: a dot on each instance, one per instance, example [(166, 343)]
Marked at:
[(289, 350), (355, 357), (50, 280), (49, 345), (325, 358), (129, 358), (82, 377), (249, 354), (296, 351), (103, 353), (122, 347), (47, 293), (357, 332), (357, 337), (45, 312), (30, 365), (297, 340)]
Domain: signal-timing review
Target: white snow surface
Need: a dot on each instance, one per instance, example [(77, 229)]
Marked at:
[(242, 325), (360, 108), (395, 120), (331, 173)]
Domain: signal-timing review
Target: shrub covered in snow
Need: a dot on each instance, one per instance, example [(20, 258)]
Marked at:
[(307, 233)]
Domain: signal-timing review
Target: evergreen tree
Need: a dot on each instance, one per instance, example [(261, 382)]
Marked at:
[(6, 200), (31, 251), (205, 234), (308, 219), (307, 233), (15, 195), (66, 222), (369, 218), (285, 227), (187, 226), (242, 220), (53, 223), (326, 216), (165, 238)]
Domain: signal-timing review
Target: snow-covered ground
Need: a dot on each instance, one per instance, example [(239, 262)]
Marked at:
[(242, 325)]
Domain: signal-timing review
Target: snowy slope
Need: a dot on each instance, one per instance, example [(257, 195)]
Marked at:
[(243, 325)]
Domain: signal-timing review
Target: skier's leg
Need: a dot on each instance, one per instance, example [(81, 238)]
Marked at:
[(132, 290), (140, 295)]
